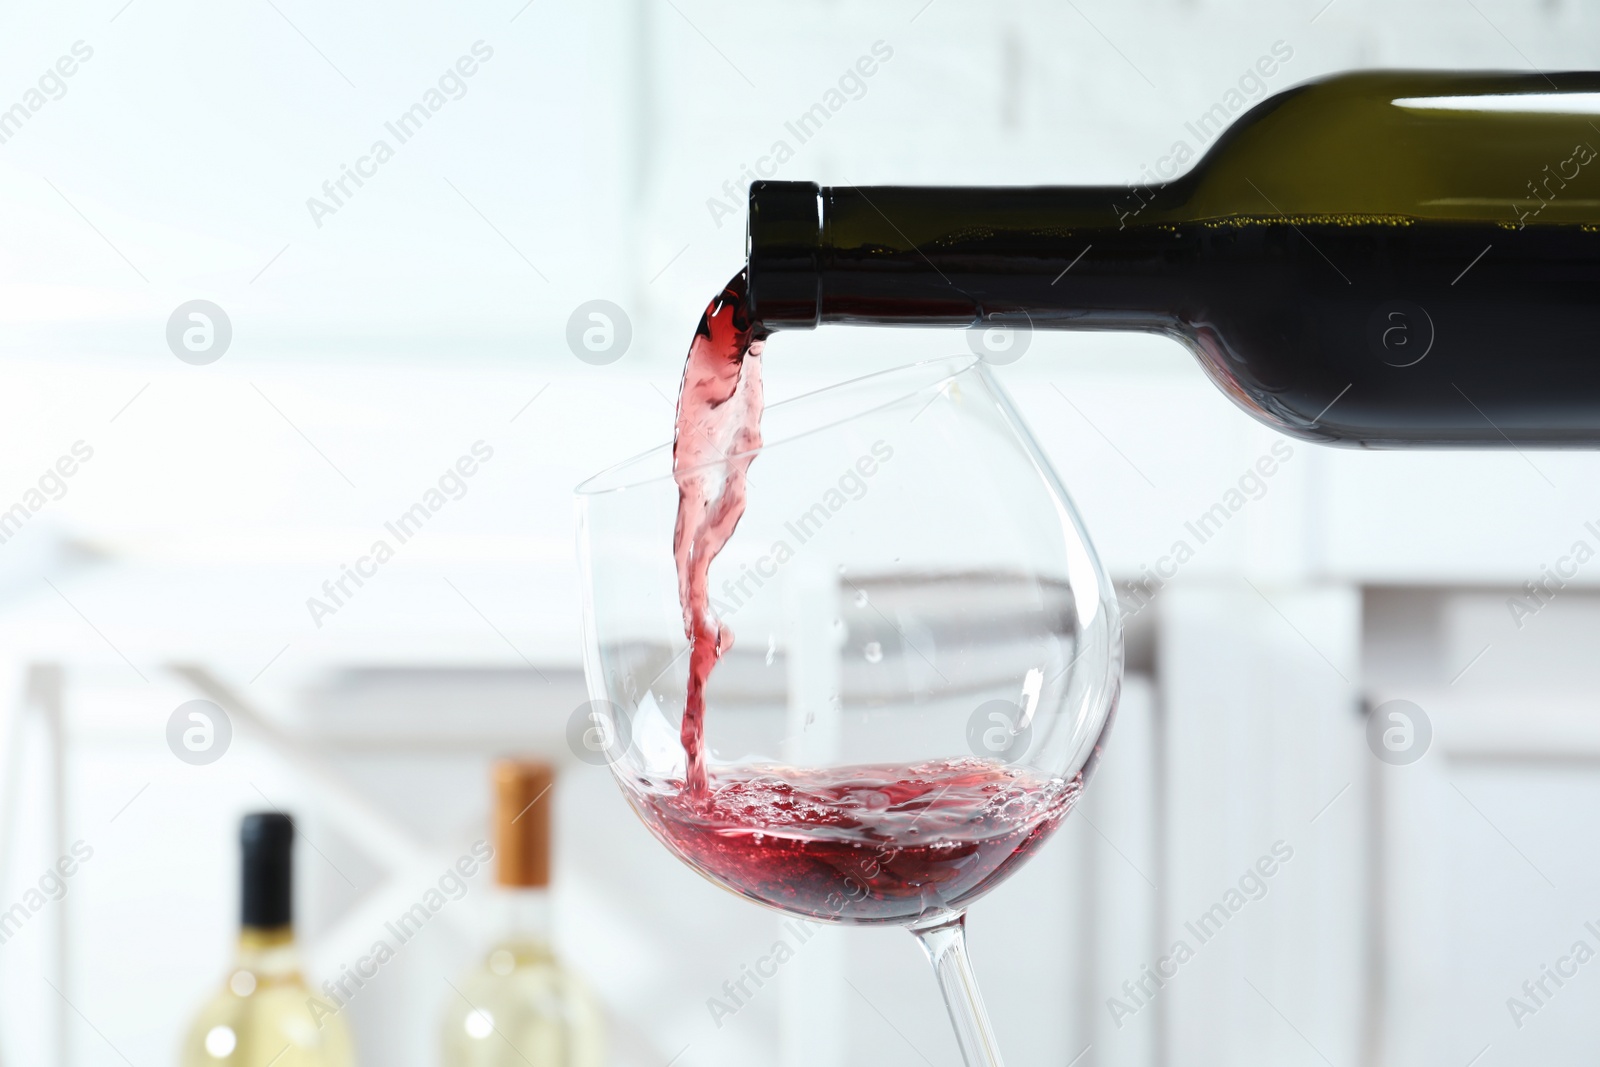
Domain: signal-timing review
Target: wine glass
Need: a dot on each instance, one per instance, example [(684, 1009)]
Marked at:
[(924, 662)]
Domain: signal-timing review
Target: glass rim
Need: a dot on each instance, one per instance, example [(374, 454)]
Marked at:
[(613, 479)]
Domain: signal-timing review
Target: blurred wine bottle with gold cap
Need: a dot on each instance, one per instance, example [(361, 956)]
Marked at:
[(519, 1007)]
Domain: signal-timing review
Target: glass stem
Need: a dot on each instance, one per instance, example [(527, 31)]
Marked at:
[(945, 942)]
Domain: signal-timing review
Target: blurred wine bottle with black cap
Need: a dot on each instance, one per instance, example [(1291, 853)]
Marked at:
[(265, 1014), (519, 1007)]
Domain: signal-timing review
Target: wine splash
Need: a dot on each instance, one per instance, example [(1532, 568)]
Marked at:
[(718, 433), (863, 844)]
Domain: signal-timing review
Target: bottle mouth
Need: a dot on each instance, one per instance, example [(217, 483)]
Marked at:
[(783, 240), (797, 418)]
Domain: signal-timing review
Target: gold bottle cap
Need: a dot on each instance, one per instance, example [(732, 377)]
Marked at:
[(522, 805)]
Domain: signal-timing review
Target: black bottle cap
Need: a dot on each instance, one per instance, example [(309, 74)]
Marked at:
[(266, 840), (782, 244)]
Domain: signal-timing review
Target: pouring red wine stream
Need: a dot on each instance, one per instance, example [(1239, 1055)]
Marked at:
[(718, 433), (878, 843)]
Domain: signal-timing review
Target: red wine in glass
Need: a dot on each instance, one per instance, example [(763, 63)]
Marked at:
[(862, 844)]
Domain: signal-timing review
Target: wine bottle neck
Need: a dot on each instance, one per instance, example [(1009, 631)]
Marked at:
[(1086, 256), (268, 952), (524, 913)]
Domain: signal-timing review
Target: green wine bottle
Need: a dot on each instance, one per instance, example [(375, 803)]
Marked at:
[(1387, 258)]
